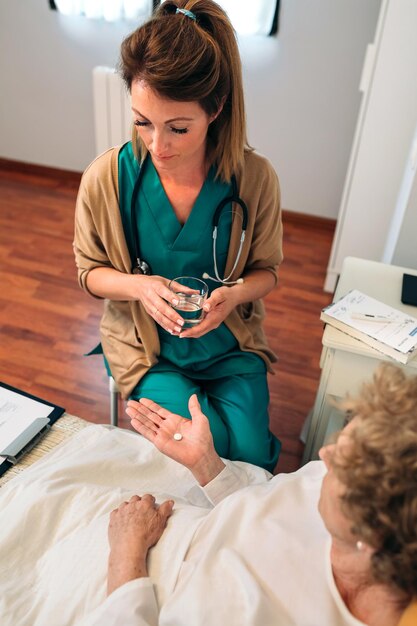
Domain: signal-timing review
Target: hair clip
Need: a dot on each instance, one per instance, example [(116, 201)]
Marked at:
[(187, 13)]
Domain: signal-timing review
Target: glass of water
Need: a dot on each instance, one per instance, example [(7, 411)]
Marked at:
[(191, 294)]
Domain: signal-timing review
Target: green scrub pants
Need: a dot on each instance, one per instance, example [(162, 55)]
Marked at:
[(236, 406)]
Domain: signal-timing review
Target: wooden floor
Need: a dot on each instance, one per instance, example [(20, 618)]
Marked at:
[(47, 323)]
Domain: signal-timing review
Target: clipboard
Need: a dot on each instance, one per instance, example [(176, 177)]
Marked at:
[(34, 431)]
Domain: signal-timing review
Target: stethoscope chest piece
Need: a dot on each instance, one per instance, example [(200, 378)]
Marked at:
[(142, 267)]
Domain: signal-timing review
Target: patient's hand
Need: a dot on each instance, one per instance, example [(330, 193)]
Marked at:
[(195, 449), (134, 527)]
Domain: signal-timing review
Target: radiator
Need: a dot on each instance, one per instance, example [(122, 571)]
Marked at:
[(112, 112)]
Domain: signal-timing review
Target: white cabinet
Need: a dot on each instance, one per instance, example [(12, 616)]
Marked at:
[(346, 362)]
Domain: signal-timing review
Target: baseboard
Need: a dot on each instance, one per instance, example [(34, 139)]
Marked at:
[(31, 169), (19, 167), (322, 223)]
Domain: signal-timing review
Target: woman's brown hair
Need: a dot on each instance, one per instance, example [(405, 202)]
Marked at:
[(193, 61), (379, 472)]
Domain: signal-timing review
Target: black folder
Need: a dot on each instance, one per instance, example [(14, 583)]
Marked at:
[(31, 435)]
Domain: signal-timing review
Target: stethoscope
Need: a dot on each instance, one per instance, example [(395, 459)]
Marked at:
[(142, 267)]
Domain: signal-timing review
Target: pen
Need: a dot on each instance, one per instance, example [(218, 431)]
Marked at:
[(370, 317)]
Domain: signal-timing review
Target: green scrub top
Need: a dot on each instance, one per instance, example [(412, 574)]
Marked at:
[(173, 249)]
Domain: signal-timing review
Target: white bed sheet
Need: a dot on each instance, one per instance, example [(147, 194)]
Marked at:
[(54, 519)]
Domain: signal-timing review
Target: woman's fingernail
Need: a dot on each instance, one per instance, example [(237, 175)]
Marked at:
[(178, 329), (180, 322), (175, 301)]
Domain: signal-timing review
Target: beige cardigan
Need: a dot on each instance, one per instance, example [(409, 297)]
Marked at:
[(128, 334)]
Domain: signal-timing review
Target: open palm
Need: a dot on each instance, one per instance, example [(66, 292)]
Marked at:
[(159, 426)]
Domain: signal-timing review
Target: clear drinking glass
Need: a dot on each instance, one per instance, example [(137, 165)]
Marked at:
[(191, 295)]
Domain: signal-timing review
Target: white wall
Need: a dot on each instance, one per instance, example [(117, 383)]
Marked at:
[(301, 89), (382, 146), (405, 253), (400, 245)]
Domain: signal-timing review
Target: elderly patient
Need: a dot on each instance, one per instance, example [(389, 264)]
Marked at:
[(262, 555)]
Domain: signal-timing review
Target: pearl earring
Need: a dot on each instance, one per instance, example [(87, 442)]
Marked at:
[(360, 546)]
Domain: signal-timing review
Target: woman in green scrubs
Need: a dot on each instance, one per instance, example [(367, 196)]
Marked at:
[(183, 72)]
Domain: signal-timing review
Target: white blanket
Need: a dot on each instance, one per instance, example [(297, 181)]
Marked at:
[(54, 519)]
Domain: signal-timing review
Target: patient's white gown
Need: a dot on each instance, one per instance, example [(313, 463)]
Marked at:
[(247, 550)]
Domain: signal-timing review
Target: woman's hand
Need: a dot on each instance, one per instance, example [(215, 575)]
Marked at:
[(195, 450), (151, 291), (220, 304), (155, 296), (134, 527), (255, 284)]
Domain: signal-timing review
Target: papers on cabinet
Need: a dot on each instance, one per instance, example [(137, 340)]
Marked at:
[(380, 326)]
